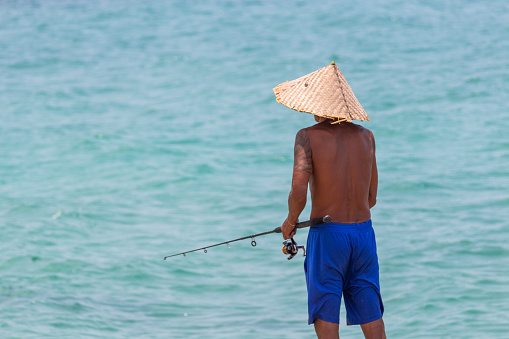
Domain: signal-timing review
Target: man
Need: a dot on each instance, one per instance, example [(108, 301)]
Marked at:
[(338, 162)]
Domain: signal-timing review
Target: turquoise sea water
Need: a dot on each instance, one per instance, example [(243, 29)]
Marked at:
[(133, 130)]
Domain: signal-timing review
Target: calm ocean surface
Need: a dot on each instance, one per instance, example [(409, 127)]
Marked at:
[(133, 130)]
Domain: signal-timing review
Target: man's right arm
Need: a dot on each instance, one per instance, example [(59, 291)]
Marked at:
[(302, 169)]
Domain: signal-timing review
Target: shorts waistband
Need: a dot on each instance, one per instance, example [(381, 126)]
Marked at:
[(338, 227)]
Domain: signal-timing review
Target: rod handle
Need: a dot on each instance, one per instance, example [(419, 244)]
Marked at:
[(312, 222)]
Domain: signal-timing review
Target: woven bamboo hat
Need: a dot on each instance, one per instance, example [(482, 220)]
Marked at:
[(324, 93)]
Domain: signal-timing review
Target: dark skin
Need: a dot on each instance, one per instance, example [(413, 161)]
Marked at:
[(338, 163)]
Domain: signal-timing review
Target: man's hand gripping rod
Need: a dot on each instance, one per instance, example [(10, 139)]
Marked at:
[(312, 222)]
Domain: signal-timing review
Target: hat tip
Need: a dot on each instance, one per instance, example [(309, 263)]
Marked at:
[(333, 62)]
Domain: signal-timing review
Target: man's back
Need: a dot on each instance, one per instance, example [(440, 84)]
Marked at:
[(344, 178)]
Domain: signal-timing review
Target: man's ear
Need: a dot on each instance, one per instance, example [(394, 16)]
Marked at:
[(318, 119)]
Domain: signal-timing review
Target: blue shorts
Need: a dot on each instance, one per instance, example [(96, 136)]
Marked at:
[(342, 259)]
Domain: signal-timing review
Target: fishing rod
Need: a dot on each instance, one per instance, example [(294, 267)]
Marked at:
[(290, 246)]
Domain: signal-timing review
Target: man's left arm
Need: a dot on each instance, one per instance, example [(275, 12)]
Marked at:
[(302, 169), (373, 187)]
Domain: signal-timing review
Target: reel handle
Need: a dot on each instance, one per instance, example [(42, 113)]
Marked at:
[(312, 222)]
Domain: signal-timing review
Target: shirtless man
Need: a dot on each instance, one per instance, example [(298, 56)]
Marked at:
[(338, 161)]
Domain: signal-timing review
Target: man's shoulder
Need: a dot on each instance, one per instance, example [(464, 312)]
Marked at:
[(363, 129), (314, 131), (326, 126), (321, 126)]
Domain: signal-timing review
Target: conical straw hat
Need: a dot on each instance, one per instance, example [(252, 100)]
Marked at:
[(324, 93)]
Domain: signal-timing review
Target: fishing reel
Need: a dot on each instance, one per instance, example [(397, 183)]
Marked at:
[(291, 248)]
